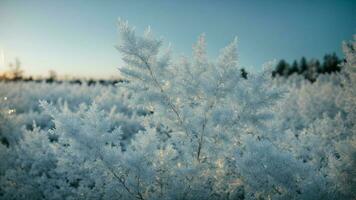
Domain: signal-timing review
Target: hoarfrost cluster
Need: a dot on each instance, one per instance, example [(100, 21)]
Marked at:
[(186, 129)]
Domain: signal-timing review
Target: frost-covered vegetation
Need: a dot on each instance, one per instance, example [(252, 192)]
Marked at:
[(187, 129)]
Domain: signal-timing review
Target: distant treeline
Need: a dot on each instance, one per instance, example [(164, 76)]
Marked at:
[(71, 81), (309, 69), (15, 74)]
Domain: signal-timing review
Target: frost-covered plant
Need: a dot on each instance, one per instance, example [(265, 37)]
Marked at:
[(207, 110), (19, 104), (342, 166), (317, 122), (269, 172), (35, 164), (30, 168), (200, 108), (76, 159), (186, 129), (200, 99)]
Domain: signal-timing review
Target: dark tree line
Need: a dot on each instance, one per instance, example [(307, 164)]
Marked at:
[(310, 69)]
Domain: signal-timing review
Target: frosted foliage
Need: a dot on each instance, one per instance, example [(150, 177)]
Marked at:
[(318, 125), (181, 128), (275, 174), (211, 109)]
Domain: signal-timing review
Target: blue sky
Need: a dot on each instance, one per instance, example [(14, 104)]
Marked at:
[(78, 37)]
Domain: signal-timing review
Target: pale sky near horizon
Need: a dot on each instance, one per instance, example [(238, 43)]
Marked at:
[(77, 37)]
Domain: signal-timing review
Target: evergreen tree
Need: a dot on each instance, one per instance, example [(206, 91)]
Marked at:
[(281, 69), (331, 63), (303, 67), (294, 68)]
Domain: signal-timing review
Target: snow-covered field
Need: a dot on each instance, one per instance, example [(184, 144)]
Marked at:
[(192, 129)]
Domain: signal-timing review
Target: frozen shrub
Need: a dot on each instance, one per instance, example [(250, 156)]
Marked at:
[(180, 129)]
